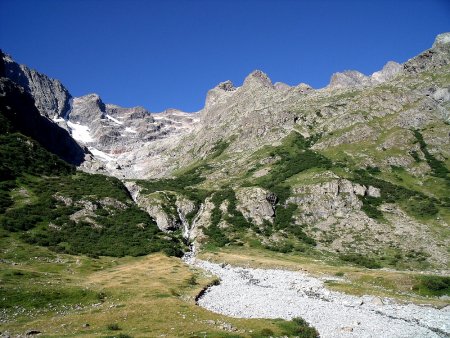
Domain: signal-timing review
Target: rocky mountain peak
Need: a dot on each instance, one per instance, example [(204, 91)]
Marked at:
[(442, 39), (281, 86), (51, 98), (304, 87), (258, 78), (348, 78), (87, 108), (219, 93), (389, 70), (227, 86)]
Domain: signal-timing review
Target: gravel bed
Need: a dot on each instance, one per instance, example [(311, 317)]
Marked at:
[(268, 293)]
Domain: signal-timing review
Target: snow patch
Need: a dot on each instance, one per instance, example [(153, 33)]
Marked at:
[(101, 154), (80, 132), (113, 119), (130, 130)]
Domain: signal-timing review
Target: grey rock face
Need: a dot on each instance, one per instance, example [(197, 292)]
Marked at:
[(87, 109), (52, 99), (352, 78), (333, 198), (258, 78), (433, 58), (389, 70), (122, 140), (219, 94), (281, 86), (255, 205), (349, 78), (442, 39), (18, 107)]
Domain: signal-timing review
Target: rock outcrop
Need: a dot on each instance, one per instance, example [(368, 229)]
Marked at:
[(335, 198), (256, 204), (349, 78), (52, 99), (352, 78)]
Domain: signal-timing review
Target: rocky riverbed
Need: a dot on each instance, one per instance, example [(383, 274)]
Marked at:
[(264, 293)]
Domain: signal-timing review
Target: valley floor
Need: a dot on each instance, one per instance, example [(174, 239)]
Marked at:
[(63, 295), (154, 296)]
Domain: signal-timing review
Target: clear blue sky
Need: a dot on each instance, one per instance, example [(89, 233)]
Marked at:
[(168, 53)]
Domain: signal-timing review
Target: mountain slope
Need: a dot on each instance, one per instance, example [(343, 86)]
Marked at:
[(44, 201), (357, 170)]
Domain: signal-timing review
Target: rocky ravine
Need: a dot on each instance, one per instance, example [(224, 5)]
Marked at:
[(260, 293)]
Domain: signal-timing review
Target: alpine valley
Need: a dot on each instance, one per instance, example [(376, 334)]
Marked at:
[(349, 183)]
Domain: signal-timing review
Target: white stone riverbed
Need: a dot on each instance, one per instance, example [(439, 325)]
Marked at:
[(268, 293)]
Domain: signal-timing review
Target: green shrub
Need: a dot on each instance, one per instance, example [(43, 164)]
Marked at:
[(433, 286), (192, 280), (298, 327), (264, 333), (21, 155), (370, 207), (415, 155), (113, 327), (360, 260)]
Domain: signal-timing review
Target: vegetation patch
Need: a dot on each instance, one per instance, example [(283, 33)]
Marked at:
[(433, 286), (438, 167), (295, 157), (360, 260), (418, 204), (59, 193)]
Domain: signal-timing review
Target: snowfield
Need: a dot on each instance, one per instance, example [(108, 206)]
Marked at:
[(80, 132)]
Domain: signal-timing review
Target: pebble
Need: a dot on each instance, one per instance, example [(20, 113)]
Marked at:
[(268, 293)]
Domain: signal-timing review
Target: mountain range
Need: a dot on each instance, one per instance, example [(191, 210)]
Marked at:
[(358, 170)]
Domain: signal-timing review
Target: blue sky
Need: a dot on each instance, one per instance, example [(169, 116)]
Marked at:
[(169, 53)]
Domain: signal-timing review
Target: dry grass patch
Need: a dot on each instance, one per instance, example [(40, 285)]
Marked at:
[(148, 296)]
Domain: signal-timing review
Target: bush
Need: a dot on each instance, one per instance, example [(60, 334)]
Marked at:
[(21, 155), (113, 327), (298, 327), (264, 333), (360, 260), (370, 207), (118, 234), (433, 286)]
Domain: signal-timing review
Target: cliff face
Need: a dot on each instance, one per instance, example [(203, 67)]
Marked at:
[(18, 107), (51, 98)]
